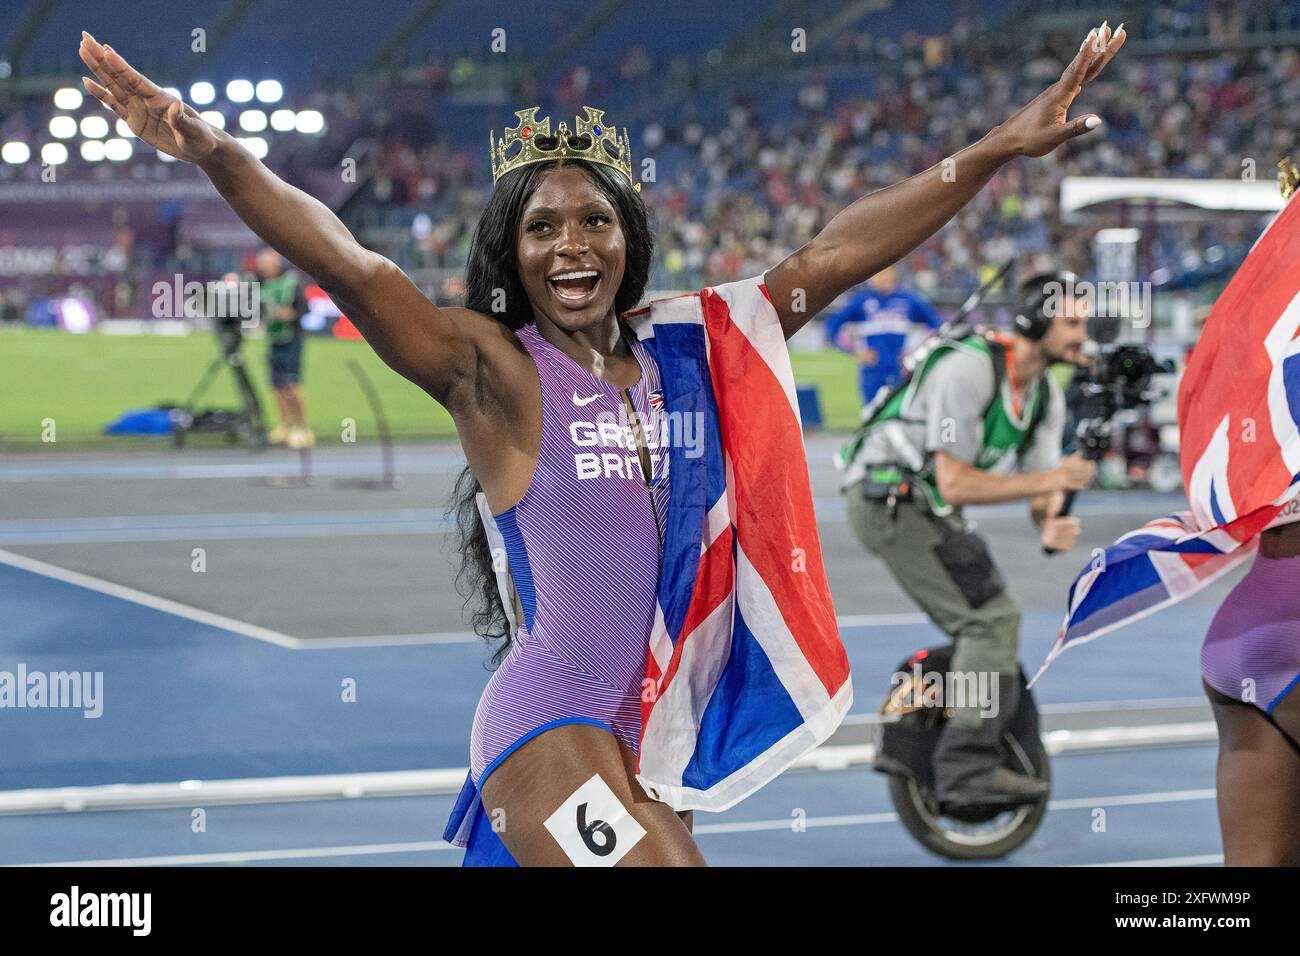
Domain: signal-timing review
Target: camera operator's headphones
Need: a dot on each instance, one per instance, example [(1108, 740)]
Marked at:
[(1032, 320)]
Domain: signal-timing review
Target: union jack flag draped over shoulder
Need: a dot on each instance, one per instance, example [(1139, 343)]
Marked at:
[(745, 671), (1239, 420)]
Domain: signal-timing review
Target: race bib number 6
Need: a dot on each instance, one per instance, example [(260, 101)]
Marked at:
[(593, 827)]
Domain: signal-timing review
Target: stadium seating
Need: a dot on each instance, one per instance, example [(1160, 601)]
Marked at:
[(744, 173)]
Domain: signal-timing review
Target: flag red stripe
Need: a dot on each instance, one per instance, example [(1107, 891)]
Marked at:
[(784, 546)]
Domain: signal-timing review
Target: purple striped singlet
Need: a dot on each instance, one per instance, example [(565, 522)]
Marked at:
[(584, 547), (1255, 636)]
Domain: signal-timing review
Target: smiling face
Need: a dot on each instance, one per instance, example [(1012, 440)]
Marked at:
[(571, 250)]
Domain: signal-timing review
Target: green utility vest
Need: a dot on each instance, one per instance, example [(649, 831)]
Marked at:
[(1003, 435), (277, 293)]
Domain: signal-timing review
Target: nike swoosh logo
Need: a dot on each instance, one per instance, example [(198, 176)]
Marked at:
[(583, 401)]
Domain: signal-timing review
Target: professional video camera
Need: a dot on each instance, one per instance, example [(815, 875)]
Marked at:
[(222, 306), (1112, 389), (1119, 379)]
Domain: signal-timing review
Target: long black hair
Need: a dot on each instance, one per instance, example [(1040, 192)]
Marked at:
[(494, 265)]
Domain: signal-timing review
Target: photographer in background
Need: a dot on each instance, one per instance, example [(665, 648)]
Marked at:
[(979, 420), (284, 302)]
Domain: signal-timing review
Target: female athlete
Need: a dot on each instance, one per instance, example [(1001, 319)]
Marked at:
[(1250, 663), (561, 251)]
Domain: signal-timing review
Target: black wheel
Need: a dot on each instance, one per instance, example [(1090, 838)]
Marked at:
[(982, 833)]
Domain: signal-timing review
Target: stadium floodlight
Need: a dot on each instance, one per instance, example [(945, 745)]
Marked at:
[(118, 150), (172, 92), (284, 121), (123, 130), (74, 315), (239, 91), (63, 127), (54, 153), (310, 121), (15, 152), (94, 127), (253, 121), (68, 98), (202, 93), (165, 157), (213, 118), (92, 150), (254, 144), (270, 91)]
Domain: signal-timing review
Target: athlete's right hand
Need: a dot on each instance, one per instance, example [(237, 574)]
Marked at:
[(157, 118), (1074, 473)]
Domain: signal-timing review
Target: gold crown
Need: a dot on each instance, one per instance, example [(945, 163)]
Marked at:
[(1288, 177), (594, 141)]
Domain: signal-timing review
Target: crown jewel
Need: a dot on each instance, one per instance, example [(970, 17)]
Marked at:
[(1288, 177), (593, 141)]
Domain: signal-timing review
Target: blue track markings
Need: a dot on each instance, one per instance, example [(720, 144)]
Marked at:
[(185, 699)]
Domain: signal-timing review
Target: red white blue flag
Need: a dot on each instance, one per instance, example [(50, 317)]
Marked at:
[(1239, 423), (745, 671)]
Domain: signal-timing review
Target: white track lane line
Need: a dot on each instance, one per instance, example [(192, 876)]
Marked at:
[(708, 829), (250, 856), (1076, 707), (322, 643), (171, 469), (468, 637), (1208, 859), (860, 819), (153, 601)]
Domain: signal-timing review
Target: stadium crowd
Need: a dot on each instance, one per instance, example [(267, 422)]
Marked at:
[(744, 177), (755, 178)]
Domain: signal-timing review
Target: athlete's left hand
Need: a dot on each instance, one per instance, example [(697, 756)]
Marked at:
[(1059, 534), (1041, 126)]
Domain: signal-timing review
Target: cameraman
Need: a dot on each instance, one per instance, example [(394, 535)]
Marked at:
[(978, 421)]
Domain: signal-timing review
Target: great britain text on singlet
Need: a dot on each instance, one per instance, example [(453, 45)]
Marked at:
[(666, 430)]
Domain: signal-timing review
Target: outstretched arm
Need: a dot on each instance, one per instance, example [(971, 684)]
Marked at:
[(430, 346), (886, 225)]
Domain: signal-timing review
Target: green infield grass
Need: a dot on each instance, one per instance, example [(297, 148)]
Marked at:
[(80, 383)]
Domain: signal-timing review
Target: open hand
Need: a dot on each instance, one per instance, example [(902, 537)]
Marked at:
[(1041, 125), (157, 118)]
